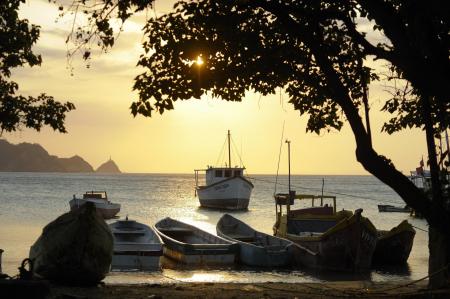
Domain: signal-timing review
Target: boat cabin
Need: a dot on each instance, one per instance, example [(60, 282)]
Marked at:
[(318, 205), (421, 178), (95, 195), (218, 174)]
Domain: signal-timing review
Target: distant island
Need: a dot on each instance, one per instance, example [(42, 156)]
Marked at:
[(32, 157), (108, 167)]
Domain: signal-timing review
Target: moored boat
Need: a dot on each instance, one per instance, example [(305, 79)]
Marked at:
[(256, 248), (394, 246), (75, 248), (343, 241), (225, 188), (136, 246), (103, 206), (389, 208), (190, 245)]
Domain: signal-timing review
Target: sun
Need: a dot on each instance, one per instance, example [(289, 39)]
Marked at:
[(199, 61)]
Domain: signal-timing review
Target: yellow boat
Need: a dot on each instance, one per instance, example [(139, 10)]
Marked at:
[(343, 241)]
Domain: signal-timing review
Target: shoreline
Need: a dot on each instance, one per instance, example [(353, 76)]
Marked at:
[(341, 289)]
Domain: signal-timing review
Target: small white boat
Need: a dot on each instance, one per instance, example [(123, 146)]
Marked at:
[(104, 207), (256, 248), (225, 188), (190, 245), (136, 246)]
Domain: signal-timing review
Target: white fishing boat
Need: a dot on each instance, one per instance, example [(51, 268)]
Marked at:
[(190, 245), (104, 207), (225, 188), (136, 246)]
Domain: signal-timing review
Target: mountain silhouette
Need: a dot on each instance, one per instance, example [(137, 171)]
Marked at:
[(108, 167), (32, 157)]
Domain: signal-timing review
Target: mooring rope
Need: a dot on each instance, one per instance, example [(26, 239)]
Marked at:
[(360, 292), (424, 230), (418, 280)]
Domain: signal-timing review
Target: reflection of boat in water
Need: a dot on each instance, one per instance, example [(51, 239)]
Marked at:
[(256, 248), (389, 208), (225, 188), (136, 246), (343, 241), (190, 245), (394, 246), (104, 207)]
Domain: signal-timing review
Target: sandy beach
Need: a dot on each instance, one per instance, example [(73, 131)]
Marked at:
[(358, 289)]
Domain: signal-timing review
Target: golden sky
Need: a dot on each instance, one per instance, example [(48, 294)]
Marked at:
[(192, 135)]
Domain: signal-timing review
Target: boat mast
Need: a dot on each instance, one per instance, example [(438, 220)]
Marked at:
[(289, 165), (229, 151)]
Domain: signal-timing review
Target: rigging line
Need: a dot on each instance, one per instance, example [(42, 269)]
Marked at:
[(236, 150), (221, 153), (279, 158), (318, 190)]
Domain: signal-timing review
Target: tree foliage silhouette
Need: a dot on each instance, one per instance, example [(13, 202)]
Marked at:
[(17, 38)]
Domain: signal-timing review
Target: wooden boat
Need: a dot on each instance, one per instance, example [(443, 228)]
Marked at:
[(394, 246), (190, 245), (76, 248), (343, 241), (104, 207), (389, 208), (256, 248), (136, 246), (225, 188)]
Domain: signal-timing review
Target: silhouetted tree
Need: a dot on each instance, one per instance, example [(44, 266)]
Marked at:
[(16, 40)]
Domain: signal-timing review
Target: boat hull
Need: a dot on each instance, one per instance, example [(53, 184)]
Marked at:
[(136, 247), (188, 244), (231, 194), (347, 246), (255, 248), (393, 209), (394, 246), (211, 257), (130, 262), (76, 248), (105, 210)]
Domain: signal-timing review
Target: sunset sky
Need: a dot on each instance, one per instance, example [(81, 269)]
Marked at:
[(192, 135)]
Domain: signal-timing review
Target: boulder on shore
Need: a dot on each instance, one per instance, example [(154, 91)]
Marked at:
[(76, 248)]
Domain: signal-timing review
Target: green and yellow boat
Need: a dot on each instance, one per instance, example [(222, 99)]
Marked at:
[(342, 241)]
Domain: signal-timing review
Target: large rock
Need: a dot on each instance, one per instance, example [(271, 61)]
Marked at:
[(108, 167), (76, 248)]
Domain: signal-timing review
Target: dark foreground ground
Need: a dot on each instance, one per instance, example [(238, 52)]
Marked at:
[(258, 290)]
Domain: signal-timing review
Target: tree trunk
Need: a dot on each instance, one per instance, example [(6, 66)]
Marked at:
[(433, 210), (439, 246), (438, 242), (379, 166)]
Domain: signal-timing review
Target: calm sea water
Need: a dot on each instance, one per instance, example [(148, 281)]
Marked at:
[(29, 201)]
